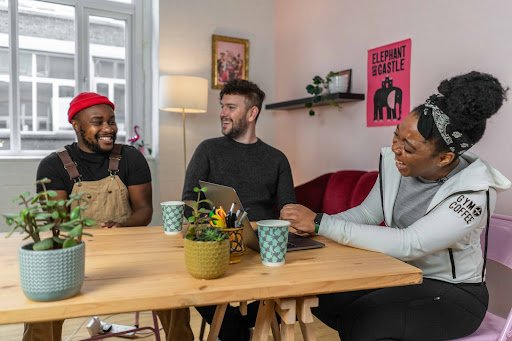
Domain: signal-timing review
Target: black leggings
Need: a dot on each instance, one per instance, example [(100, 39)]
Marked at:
[(433, 310)]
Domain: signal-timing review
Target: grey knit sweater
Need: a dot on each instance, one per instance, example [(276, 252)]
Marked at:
[(259, 173)]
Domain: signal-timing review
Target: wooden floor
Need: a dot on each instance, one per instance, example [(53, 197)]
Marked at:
[(74, 329)]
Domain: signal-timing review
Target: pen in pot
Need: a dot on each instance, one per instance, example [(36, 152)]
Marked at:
[(242, 217)]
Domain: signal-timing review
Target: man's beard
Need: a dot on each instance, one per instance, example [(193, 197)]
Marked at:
[(94, 145), (237, 129)]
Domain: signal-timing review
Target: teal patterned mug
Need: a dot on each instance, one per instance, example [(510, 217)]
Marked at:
[(273, 238), (172, 216)]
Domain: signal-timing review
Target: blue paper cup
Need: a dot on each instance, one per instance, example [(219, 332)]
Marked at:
[(172, 216), (273, 239)]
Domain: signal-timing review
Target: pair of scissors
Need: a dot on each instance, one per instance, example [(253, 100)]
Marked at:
[(218, 218)]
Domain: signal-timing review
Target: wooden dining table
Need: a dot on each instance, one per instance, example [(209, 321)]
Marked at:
[(141, 268)]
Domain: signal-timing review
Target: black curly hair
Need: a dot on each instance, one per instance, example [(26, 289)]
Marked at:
[(252, 93), (468, 100)]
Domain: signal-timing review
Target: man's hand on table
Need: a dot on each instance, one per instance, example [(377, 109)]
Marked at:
[(110, 224)]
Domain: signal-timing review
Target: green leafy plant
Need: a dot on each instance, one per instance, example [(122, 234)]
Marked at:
[(200, 229), (52, 224), (317, 88), (210, 234)]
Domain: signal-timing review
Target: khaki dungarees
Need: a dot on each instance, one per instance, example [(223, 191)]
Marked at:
[(108, 200)]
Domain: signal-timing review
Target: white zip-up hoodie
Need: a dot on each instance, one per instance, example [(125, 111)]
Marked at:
[(445, 242)]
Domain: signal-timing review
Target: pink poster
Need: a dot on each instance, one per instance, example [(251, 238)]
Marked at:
[(389, 76)]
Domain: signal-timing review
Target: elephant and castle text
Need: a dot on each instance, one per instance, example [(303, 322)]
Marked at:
[(388, 61), (388, 72)]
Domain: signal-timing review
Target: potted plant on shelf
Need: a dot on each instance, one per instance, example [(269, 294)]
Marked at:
[(52, 266), (318, 88), (206, 247)]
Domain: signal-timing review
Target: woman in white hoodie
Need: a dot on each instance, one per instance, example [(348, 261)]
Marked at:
[(435, 199)]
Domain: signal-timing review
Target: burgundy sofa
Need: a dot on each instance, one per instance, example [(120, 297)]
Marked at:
[(336, 192)]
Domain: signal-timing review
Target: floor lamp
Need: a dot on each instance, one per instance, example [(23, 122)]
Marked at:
[(183, 94)]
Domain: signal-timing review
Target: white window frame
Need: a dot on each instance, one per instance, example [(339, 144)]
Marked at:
[(139, 65)]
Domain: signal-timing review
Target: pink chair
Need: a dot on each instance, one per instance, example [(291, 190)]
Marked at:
[(494, 327)]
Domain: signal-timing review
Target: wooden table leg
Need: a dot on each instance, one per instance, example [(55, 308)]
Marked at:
[(217, 322), (286, 308), (263, 320), (305, 316), (243, 308), (276, 332)]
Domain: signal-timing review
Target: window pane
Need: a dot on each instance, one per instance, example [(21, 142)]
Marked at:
[(66, 91), (103, 68), (44, 107), (26, 106), (4, 95), (60, 112), (4, 17), (119, 70), (4, 106), (4, 61), (4, 77), (102, 89), (55, 66), (47, 76), (62, 67), (4, 116), (120, 108), (107, 37), (5, 143), (25, 63)]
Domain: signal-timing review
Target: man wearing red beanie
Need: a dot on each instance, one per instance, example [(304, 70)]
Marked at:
[(116, 178)]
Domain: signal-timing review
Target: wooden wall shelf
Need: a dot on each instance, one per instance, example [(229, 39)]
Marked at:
[(299, 103)]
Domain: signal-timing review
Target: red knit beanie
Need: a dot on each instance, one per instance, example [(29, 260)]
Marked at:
[(85, 100)]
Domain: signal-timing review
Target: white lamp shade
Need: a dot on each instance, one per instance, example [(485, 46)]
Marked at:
[(183, 93)]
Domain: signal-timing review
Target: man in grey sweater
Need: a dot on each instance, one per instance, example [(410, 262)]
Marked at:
[(260, 174)]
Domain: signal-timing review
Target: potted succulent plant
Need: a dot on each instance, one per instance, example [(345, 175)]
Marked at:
[(318, 88), (52, 266), (206, 247)]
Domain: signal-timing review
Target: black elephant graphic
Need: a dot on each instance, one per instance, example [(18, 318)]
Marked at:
[(389, 97)]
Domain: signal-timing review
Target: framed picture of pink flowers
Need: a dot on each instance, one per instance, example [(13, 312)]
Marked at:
[(230, 60)]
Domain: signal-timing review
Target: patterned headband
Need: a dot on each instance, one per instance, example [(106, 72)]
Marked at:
[(456, 141)]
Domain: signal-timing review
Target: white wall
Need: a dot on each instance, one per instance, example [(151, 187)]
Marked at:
[(186, 29), (448, 38), (16, 177)]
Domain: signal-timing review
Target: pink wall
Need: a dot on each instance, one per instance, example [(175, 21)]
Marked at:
[(314, 37)]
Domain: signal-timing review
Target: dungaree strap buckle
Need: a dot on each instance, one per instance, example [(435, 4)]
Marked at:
[(114, 158), (113, 172), (77, 179)]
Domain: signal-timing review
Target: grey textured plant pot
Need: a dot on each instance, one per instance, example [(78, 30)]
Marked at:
[(51, 275)]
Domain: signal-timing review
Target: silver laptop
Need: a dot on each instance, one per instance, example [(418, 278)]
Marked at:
[(226, 196)]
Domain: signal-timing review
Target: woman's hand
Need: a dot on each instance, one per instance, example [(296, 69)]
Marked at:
[(300, 217)]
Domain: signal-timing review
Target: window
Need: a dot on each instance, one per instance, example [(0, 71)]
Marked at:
[(52, 50)]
